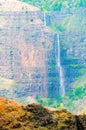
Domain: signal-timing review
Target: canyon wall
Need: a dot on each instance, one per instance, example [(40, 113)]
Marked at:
[(73, 41), (29, 54), (25, 52)]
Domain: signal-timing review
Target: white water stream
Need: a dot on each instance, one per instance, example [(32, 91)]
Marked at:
[(44, 18), (61, 75)]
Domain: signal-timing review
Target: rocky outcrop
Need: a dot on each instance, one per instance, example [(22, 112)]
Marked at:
[(14, 116)]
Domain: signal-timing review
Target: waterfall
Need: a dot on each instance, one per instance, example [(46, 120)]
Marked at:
[(58, 63), (44, 18), (11, 63)]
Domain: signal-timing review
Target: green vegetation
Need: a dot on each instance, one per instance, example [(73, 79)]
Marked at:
[(68, 101), (56, 5), (36, 117), (74, 26), (80, 81)]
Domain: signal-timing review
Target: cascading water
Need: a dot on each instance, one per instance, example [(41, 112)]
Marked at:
[(44, 18), (11, 62), (58, 63)]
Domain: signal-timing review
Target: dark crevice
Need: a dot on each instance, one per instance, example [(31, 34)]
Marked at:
[(79, 124)]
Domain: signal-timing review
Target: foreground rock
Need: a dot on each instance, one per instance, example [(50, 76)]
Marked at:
[(14, 116)]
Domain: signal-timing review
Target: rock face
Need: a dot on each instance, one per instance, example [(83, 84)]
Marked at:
[(73, 42), (24, 45), (28, 52), (73, 58), (18, 117)]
